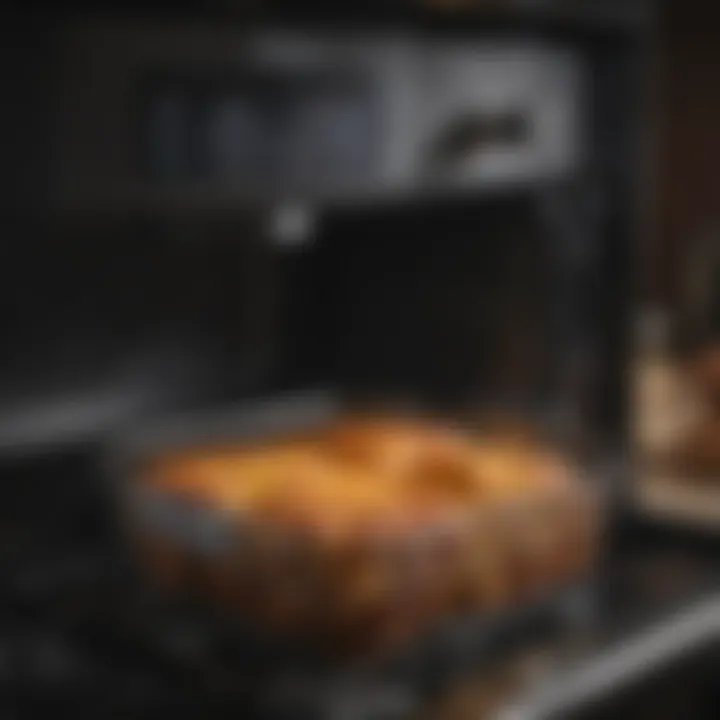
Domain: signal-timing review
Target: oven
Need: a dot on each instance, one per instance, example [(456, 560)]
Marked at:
[(388, 217)]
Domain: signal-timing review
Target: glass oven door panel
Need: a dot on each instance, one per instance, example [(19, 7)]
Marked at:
[(330, 138), (167, 130), (236, 139)]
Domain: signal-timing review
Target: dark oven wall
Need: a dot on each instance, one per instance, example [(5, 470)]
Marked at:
[(176, 308), (453, 302)]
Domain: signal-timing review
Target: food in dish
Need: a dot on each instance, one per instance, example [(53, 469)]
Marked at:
[(367, 532)]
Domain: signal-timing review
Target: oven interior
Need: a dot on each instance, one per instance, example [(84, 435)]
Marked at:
[(510, 299)]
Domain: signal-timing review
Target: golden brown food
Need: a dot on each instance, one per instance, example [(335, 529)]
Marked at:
[(366, 533)]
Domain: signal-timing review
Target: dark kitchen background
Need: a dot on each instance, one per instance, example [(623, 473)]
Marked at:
[(460, 206)]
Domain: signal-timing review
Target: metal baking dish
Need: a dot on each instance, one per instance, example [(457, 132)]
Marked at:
[(285, 416)]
